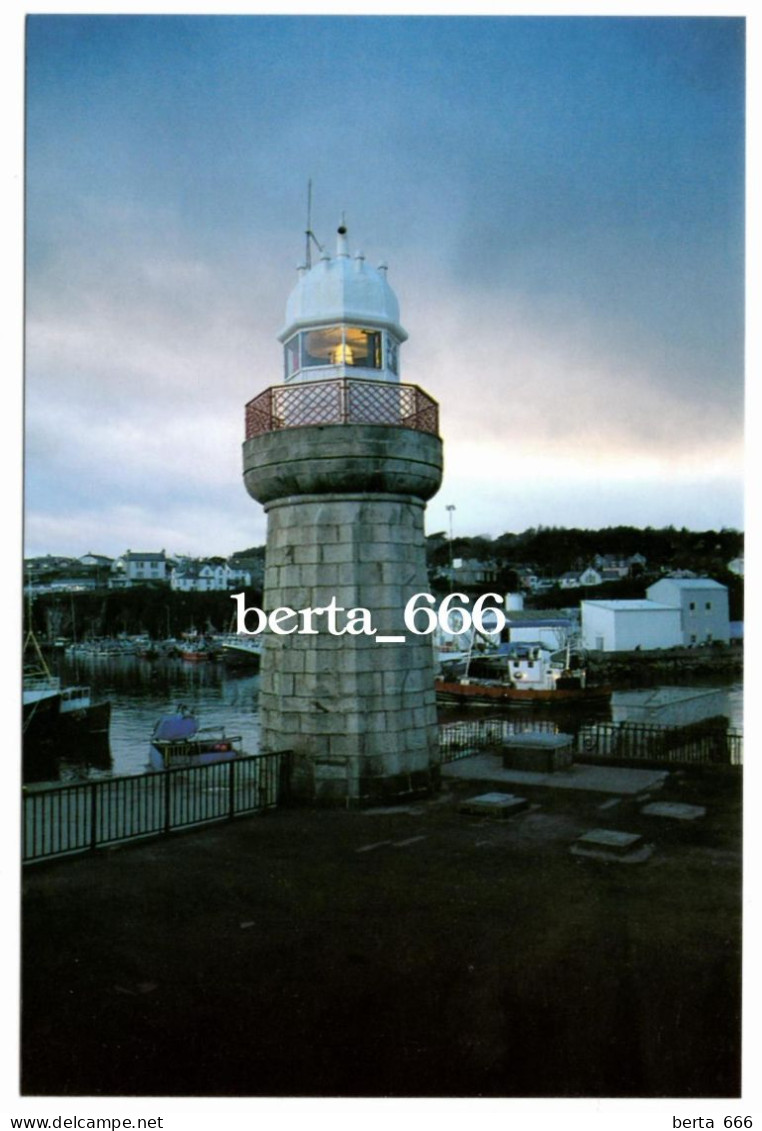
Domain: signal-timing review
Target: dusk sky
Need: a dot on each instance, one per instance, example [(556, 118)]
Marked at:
[(559, 200)]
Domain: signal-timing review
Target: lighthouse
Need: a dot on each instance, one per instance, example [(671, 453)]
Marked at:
[(343, 456)]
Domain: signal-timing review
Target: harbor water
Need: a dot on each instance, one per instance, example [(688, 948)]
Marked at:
[(141, 691)]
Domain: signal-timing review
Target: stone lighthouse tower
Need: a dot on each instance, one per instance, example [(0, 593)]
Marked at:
[(343, 456)]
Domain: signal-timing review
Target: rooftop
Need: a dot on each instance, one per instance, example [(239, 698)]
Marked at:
[(691, 582), (634, 605)]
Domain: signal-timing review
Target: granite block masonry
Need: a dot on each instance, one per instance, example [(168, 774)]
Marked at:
[(343, 457)]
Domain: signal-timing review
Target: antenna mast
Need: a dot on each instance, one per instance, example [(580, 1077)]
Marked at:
[(309, 234)]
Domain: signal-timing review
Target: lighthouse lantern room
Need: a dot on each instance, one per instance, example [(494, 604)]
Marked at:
[(342, 320)]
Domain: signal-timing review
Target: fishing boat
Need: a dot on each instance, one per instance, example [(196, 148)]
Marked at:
[(178, 740), (54, 713), (196, 648), (522, 675), (241, 651)]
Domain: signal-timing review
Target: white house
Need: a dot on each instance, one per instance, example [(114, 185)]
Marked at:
[(576, 579), (141, 567), (703, 606), (622, 626), (207, 575), (99, 560)]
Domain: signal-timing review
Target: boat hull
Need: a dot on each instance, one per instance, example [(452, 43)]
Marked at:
[(477, 693), (241, 657), (171, 755), (86, 722), (47, 723)]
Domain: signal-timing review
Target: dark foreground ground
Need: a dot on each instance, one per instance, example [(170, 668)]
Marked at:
[(419, 952)]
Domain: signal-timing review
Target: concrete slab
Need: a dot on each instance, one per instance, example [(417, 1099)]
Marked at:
[(596, 779), (637, 856), (612, 840), (612, 845), (494, 805), (675, 810)]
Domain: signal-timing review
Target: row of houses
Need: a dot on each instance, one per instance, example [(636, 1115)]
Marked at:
[(676, 611), (603, 568), (135, 568)]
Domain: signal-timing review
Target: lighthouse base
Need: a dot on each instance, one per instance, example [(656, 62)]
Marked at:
[(357, 783), (357, 712)]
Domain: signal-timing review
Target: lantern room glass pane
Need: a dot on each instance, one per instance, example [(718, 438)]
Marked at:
[(321, 347), (362, 348), (337, 345), (392, 345), (292, 356)]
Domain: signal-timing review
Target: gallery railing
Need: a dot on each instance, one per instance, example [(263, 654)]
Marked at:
[(343, 401)]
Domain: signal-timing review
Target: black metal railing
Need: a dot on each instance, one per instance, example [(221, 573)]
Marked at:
[(342, 401), (695, 744), (471, 736), (66, 819)]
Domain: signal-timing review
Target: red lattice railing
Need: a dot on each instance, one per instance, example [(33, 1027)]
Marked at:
[(341, 402)]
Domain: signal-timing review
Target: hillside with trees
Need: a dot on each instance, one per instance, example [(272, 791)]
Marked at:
[(550, 551)]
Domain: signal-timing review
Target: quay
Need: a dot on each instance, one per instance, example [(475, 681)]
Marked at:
[(406, 951)]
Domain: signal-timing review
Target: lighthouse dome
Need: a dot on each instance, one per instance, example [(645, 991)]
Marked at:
[(342, 312), (342, 288)]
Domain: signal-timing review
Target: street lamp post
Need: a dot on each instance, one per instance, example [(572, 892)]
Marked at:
[(450, 508)]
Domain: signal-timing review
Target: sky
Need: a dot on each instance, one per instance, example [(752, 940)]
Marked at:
[(560, 202)]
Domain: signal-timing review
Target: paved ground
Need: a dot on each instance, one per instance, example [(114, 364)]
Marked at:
[(592, 779), (405, 952)]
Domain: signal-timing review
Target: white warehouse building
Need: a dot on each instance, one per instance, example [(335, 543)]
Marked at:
[(703, 605), (622, 626)]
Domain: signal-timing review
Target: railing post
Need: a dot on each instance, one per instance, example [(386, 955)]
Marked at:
[(93, 816), (231, 789), (167, 775)]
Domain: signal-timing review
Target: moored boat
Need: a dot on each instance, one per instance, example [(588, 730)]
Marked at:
[(54, 713), (241, 650), (178, 740), (196, 647), (65, 714), (523, 675)]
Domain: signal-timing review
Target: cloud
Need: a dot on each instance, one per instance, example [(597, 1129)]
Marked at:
[(562, 223), (507, 378)]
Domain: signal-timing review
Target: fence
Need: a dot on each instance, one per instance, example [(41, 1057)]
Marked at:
[(472, 736), (83, 816), (625, 743), (697, 744), (341, 401)]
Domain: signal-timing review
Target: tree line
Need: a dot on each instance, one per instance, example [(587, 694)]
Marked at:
[(552, 550)]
